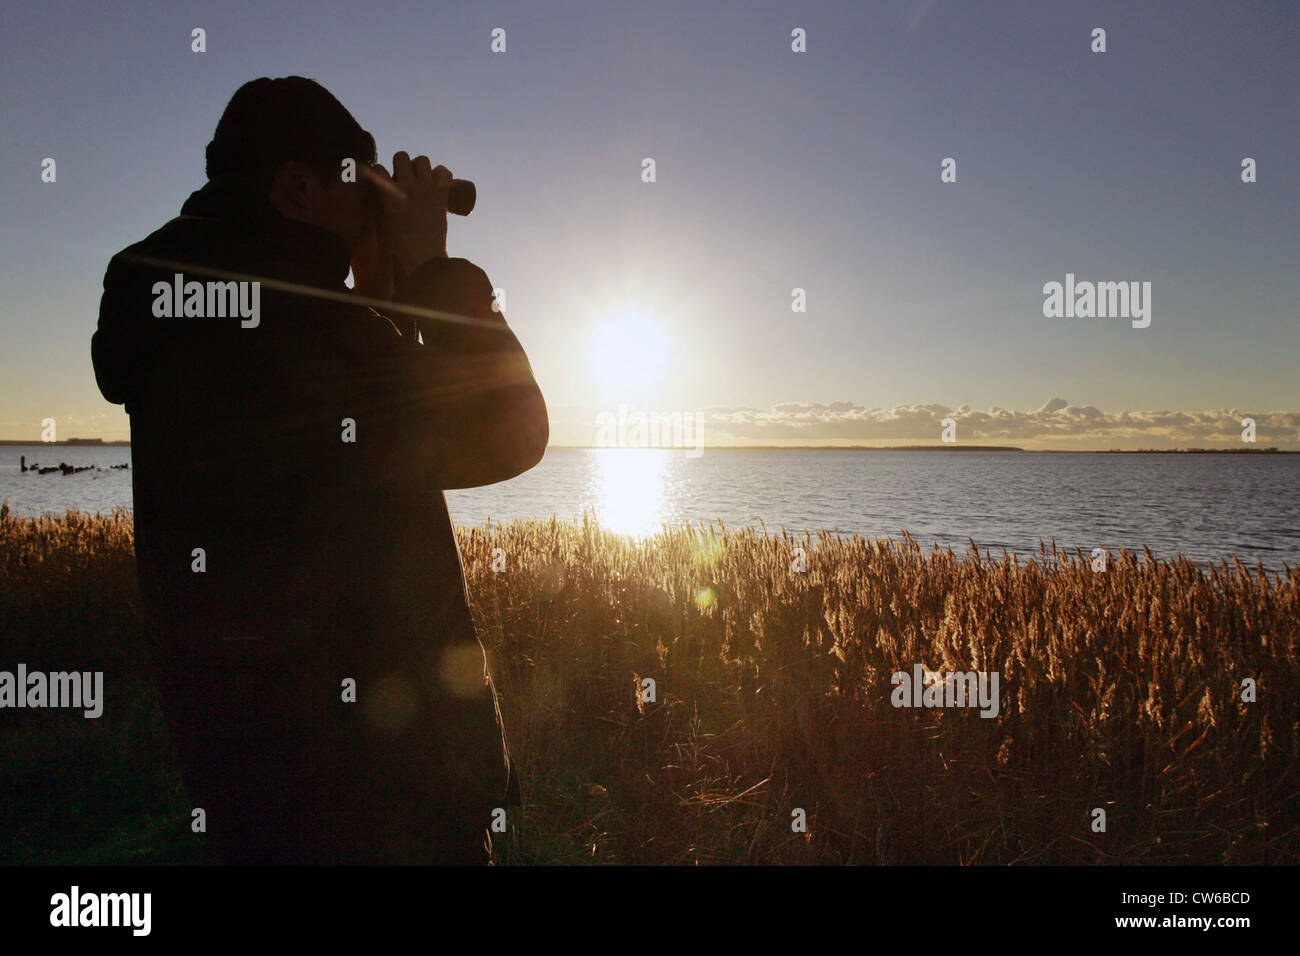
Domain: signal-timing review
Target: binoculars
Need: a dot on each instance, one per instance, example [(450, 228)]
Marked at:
[(461, 196)]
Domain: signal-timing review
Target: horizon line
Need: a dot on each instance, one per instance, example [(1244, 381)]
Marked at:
[(940, 446)]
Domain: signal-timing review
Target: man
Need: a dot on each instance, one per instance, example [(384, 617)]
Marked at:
[(302, 588)]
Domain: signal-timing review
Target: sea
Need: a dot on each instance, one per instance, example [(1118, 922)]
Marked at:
[(1208, 507)]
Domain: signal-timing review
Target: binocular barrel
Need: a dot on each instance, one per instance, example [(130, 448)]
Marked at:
[(461, 197)]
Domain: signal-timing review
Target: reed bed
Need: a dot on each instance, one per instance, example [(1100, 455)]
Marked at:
[(1120, 690)]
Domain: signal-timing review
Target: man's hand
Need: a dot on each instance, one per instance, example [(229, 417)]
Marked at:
[(414, 203)]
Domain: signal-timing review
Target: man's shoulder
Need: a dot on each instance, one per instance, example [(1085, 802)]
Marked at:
[(205, 249), (180, 241), (180, 232)]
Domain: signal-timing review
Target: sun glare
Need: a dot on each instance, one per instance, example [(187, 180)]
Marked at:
[(628, 351), (628, 487)]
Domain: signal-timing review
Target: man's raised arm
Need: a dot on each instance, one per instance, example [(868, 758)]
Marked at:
[(473, 383)]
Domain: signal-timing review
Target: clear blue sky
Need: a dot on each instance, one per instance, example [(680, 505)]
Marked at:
[(775, 170)]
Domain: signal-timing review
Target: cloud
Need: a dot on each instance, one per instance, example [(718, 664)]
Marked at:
[(1056, 422), (1054, 405)]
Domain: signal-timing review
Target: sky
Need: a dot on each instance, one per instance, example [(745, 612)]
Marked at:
[(775, 170)]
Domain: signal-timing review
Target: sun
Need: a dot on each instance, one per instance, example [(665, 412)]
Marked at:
[(628, 351)]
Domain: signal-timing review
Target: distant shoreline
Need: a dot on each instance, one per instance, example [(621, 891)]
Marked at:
[(97, 443)]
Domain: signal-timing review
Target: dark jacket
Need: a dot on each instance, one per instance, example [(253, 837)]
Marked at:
[(323, 559)]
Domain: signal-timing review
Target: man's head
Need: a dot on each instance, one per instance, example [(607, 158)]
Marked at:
[(286, 139)]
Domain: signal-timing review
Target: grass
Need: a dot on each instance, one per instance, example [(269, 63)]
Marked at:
[(1120, 690)]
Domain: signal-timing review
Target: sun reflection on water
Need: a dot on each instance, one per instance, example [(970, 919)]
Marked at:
[(628, 489)]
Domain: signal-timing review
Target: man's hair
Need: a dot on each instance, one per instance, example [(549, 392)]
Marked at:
[(268, 122)]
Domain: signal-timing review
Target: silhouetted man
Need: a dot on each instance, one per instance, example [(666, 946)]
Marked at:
[(301, 584)]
